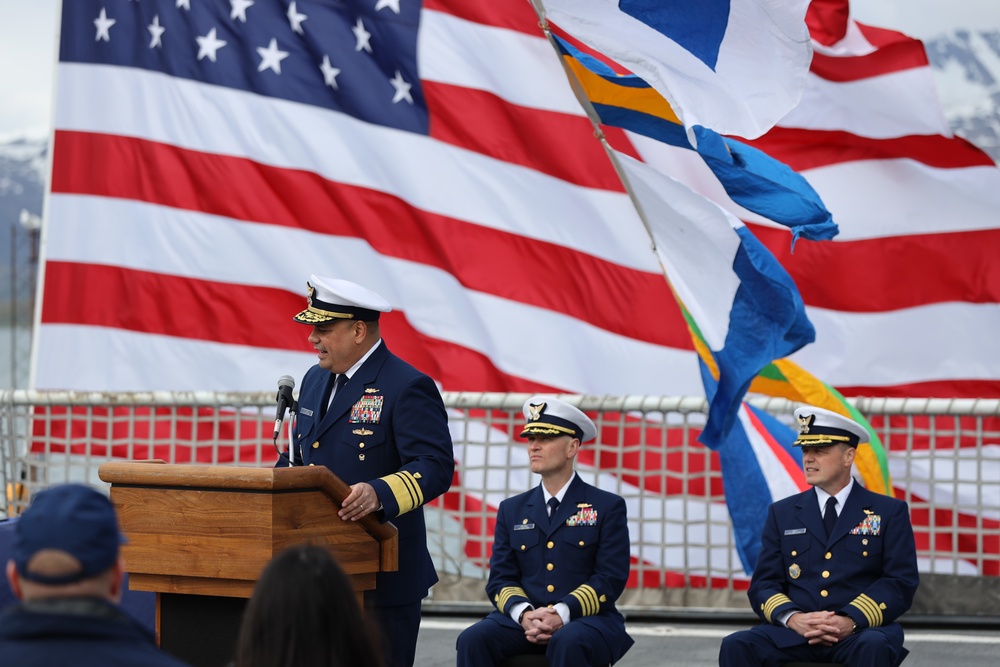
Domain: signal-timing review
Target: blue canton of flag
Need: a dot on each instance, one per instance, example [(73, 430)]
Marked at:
[(350, 56)]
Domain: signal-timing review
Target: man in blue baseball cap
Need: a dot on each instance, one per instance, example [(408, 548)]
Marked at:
[(67, 573)]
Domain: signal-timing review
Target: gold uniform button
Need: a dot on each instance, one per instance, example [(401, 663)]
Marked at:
[(523, 547), (865, 541), (550, 545), (549, 566), (795, 553), (826, 574), (864, 553), (828, 555), (312, 465), (823, 593), (361, 457), (581, 543), (316, 445), (361, 445), (550, 588)]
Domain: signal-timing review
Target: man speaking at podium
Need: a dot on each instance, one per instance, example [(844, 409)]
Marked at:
[(380, 425)]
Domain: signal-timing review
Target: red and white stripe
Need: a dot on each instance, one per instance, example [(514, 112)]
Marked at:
[(179, 234)]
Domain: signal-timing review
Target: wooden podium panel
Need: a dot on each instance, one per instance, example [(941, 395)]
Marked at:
[(199, 534)]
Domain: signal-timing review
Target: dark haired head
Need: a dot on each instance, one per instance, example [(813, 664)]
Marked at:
[(304, 613)]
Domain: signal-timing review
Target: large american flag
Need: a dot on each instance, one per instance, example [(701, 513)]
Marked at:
[(210, 154)]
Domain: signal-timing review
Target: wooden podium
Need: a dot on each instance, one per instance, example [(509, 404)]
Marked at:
[(199, 536)]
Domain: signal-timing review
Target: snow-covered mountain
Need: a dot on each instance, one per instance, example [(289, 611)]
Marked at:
[(967, 68), (22, 173)]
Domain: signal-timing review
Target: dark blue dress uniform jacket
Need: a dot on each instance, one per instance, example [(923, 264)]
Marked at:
[(867, 569), (387, 426), (580, 557), (82, 631)]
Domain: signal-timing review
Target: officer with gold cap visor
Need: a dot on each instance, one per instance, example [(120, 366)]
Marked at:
[(560, 557), (380, 425), (837, 565)]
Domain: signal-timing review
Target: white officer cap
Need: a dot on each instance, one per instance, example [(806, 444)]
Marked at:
[(819, 428), (548, 415), (336, 299)]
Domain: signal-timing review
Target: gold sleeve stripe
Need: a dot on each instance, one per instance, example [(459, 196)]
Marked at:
[(773, 603), (877, 611), (505, 595), (405, 489), (871, 610), (589, 604)]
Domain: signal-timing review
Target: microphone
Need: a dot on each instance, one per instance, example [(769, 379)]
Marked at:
[(284, 398)]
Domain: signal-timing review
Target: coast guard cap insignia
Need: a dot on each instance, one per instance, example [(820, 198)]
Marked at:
[(535, 410), (805, 421)]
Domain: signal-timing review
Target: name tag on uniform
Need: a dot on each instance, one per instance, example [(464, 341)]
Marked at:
[(524, 526), (306, 411), (795, 531)]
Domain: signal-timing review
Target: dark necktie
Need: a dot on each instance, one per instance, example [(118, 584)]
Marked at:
[(553, 506), (830, 516), (331, 392), (339, 384)]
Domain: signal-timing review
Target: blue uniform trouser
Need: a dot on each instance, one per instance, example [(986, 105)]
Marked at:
[(873, 647), (398, 626), (490, 643)]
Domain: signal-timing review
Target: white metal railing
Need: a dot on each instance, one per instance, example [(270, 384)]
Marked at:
[(944, 456)]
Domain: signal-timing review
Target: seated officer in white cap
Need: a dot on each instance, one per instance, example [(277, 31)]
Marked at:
[(380, 425), (67, 573), (560, 557), (837, 564)]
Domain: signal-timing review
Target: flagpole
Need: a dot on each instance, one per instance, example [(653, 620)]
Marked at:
[(595, 121)]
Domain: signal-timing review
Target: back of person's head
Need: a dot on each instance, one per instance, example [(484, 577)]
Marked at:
[(303, 613), (66, 544)]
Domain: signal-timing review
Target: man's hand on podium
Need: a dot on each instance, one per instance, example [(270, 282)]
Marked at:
[(360, 501)]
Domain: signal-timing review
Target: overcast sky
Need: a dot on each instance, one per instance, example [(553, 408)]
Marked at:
[(29, 28)]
